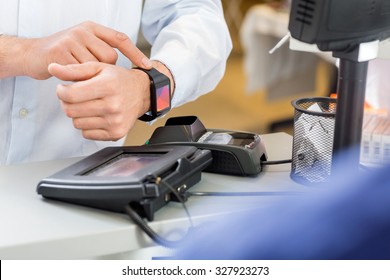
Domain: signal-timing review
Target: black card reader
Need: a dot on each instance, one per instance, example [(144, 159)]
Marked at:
[(144, 177), (234, 152)]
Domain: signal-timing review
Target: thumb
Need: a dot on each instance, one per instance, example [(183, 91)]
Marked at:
[(74, 72)]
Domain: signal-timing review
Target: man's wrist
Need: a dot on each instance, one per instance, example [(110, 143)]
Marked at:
[(12, 55)]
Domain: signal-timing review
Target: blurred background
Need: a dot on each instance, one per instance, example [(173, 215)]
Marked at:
[(256, 91)]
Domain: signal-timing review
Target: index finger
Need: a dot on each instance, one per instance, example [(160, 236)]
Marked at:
[(123, 43)]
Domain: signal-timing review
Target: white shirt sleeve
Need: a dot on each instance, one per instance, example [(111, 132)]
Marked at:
[(192, 39)]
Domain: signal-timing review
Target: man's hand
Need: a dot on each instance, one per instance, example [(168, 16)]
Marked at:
[(105, 100), (82, 43)]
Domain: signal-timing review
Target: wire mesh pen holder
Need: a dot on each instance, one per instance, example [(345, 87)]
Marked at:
[(314, 120)]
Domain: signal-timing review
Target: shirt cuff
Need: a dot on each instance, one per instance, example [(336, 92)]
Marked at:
[(184, 70)]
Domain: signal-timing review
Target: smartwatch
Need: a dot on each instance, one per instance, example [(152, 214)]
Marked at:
[(160, 94)]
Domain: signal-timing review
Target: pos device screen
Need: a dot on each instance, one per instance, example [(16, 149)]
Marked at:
[(123, 165), (227, 138)]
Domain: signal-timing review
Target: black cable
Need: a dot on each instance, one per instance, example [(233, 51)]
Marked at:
[(241, 193), (138, 220), (148, 230), (179, 197), (274, 162)]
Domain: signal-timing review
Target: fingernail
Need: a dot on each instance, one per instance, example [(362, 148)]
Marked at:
[(146, 62)]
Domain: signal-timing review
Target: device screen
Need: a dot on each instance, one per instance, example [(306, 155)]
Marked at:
[(163, 98), (123, 165), (235, 139)]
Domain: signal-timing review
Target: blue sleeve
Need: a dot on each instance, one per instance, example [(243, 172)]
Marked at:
[(349, 219)]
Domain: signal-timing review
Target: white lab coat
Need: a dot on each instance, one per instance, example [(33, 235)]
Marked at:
[(190, 37)]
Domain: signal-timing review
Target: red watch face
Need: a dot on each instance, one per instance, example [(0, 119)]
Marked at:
[(163, 98)]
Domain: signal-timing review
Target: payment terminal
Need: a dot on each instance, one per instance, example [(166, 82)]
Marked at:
[(144, 177), (234, 152)]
